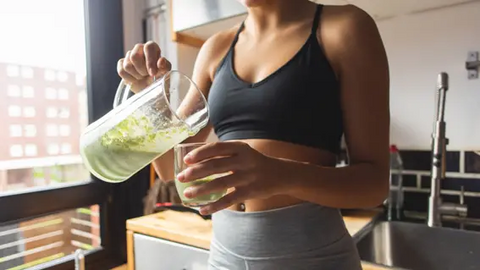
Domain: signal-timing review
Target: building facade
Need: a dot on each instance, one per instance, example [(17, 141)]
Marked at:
[(42, 112)]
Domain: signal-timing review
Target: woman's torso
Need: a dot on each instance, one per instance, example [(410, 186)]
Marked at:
[(273, 59)]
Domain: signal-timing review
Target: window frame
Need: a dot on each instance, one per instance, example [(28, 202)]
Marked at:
[(118, 202)]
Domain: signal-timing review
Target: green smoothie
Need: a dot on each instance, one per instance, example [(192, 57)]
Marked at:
[(201, 200), (130, 146)]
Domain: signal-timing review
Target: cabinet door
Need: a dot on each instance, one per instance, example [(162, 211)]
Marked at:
[(157, 254)]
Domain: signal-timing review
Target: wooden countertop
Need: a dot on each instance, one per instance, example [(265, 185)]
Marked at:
[(191, 229)]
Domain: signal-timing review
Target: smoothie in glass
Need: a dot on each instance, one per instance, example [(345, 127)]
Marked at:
[(181, 151)]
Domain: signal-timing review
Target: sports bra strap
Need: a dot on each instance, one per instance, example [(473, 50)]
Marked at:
[(316, 19), (235, 39)]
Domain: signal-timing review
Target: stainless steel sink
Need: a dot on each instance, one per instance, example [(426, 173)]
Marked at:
[(419, 247)]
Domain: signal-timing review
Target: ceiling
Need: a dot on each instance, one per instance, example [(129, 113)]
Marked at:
[(378, 9), (384, 9)]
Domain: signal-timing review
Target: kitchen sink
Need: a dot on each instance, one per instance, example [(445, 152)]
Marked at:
[(419, 247)]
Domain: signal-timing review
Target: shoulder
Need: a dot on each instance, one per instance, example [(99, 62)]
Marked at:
[(346, 30), (346, 22), (215, 48)]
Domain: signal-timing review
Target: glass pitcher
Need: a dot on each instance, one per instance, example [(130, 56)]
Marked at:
[(143, 127)]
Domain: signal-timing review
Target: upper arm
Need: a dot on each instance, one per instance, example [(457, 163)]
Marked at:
[(363, 73), (207, 60)]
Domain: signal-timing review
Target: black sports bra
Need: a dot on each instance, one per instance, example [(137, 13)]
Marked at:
[(299, 103)]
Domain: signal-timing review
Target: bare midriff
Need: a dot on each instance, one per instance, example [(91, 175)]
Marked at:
[(289, 151)]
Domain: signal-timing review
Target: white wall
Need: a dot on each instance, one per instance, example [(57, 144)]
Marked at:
[(186, 58), (132, 23), (419, 47), (191, 13)]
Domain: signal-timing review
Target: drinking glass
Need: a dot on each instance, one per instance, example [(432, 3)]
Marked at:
[(181, 150)]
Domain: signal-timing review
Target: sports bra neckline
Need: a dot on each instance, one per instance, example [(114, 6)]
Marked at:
[(231, 52)]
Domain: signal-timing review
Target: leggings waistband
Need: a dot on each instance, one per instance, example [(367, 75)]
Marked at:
[(301, 228)]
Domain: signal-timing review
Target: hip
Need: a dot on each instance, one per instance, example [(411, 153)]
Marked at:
[(302, 236), (296, 228)]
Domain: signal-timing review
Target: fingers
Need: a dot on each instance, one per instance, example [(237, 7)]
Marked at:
[(123, 73), (218, 184), (130, 68), (214, 150), (237, 196), (209, 167), (152, 55), (164, 66), (142, 61), (137, 58)]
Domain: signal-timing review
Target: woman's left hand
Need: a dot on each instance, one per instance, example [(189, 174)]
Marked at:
[(253, 175)]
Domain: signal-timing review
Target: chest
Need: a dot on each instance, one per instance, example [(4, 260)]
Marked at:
[(254, 62)]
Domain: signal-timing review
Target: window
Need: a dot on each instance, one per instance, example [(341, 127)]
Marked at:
[(52, 130), (30, 150), (16, 150), (27, 72), (53, 149), (62, 93), (29, 130), (13, 71), (29, 111), (66, 148), (62, 76), (27, 92), (79, 80), (15, 130), (13, 90), (14, 111), (49, 75), (64, 130), (50, 93), (51, 112), (64, 113), (79, 43)]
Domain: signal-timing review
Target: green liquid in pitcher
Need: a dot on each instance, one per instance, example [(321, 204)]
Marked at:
[(130, 146), (200, 200)]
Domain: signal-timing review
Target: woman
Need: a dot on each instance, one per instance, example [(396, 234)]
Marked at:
[(283, 87)]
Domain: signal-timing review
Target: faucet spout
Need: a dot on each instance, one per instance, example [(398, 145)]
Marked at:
[(439, 149)]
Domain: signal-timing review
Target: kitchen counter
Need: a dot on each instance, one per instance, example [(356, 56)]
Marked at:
[(192, 230)]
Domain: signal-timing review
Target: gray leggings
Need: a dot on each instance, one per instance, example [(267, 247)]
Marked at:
[(299, 237)]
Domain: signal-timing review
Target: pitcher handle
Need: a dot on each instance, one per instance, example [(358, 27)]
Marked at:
[(122, 93)]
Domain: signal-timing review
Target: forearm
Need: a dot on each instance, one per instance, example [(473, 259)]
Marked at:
[(164, 166), (362, 185)]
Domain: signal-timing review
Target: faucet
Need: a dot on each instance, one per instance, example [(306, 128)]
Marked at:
[(437, 208), (394, 201)]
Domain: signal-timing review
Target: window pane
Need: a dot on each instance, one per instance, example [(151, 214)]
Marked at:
[(30, 130), (50, 93), (15, 131), (27, 92), (27, 72), (13, 90), (51, 112), (14, 111), (44, 88), (39, 240), (13, 70), (28, 111), (62, 93)]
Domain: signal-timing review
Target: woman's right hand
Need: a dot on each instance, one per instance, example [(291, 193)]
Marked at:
[(142, 64)]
